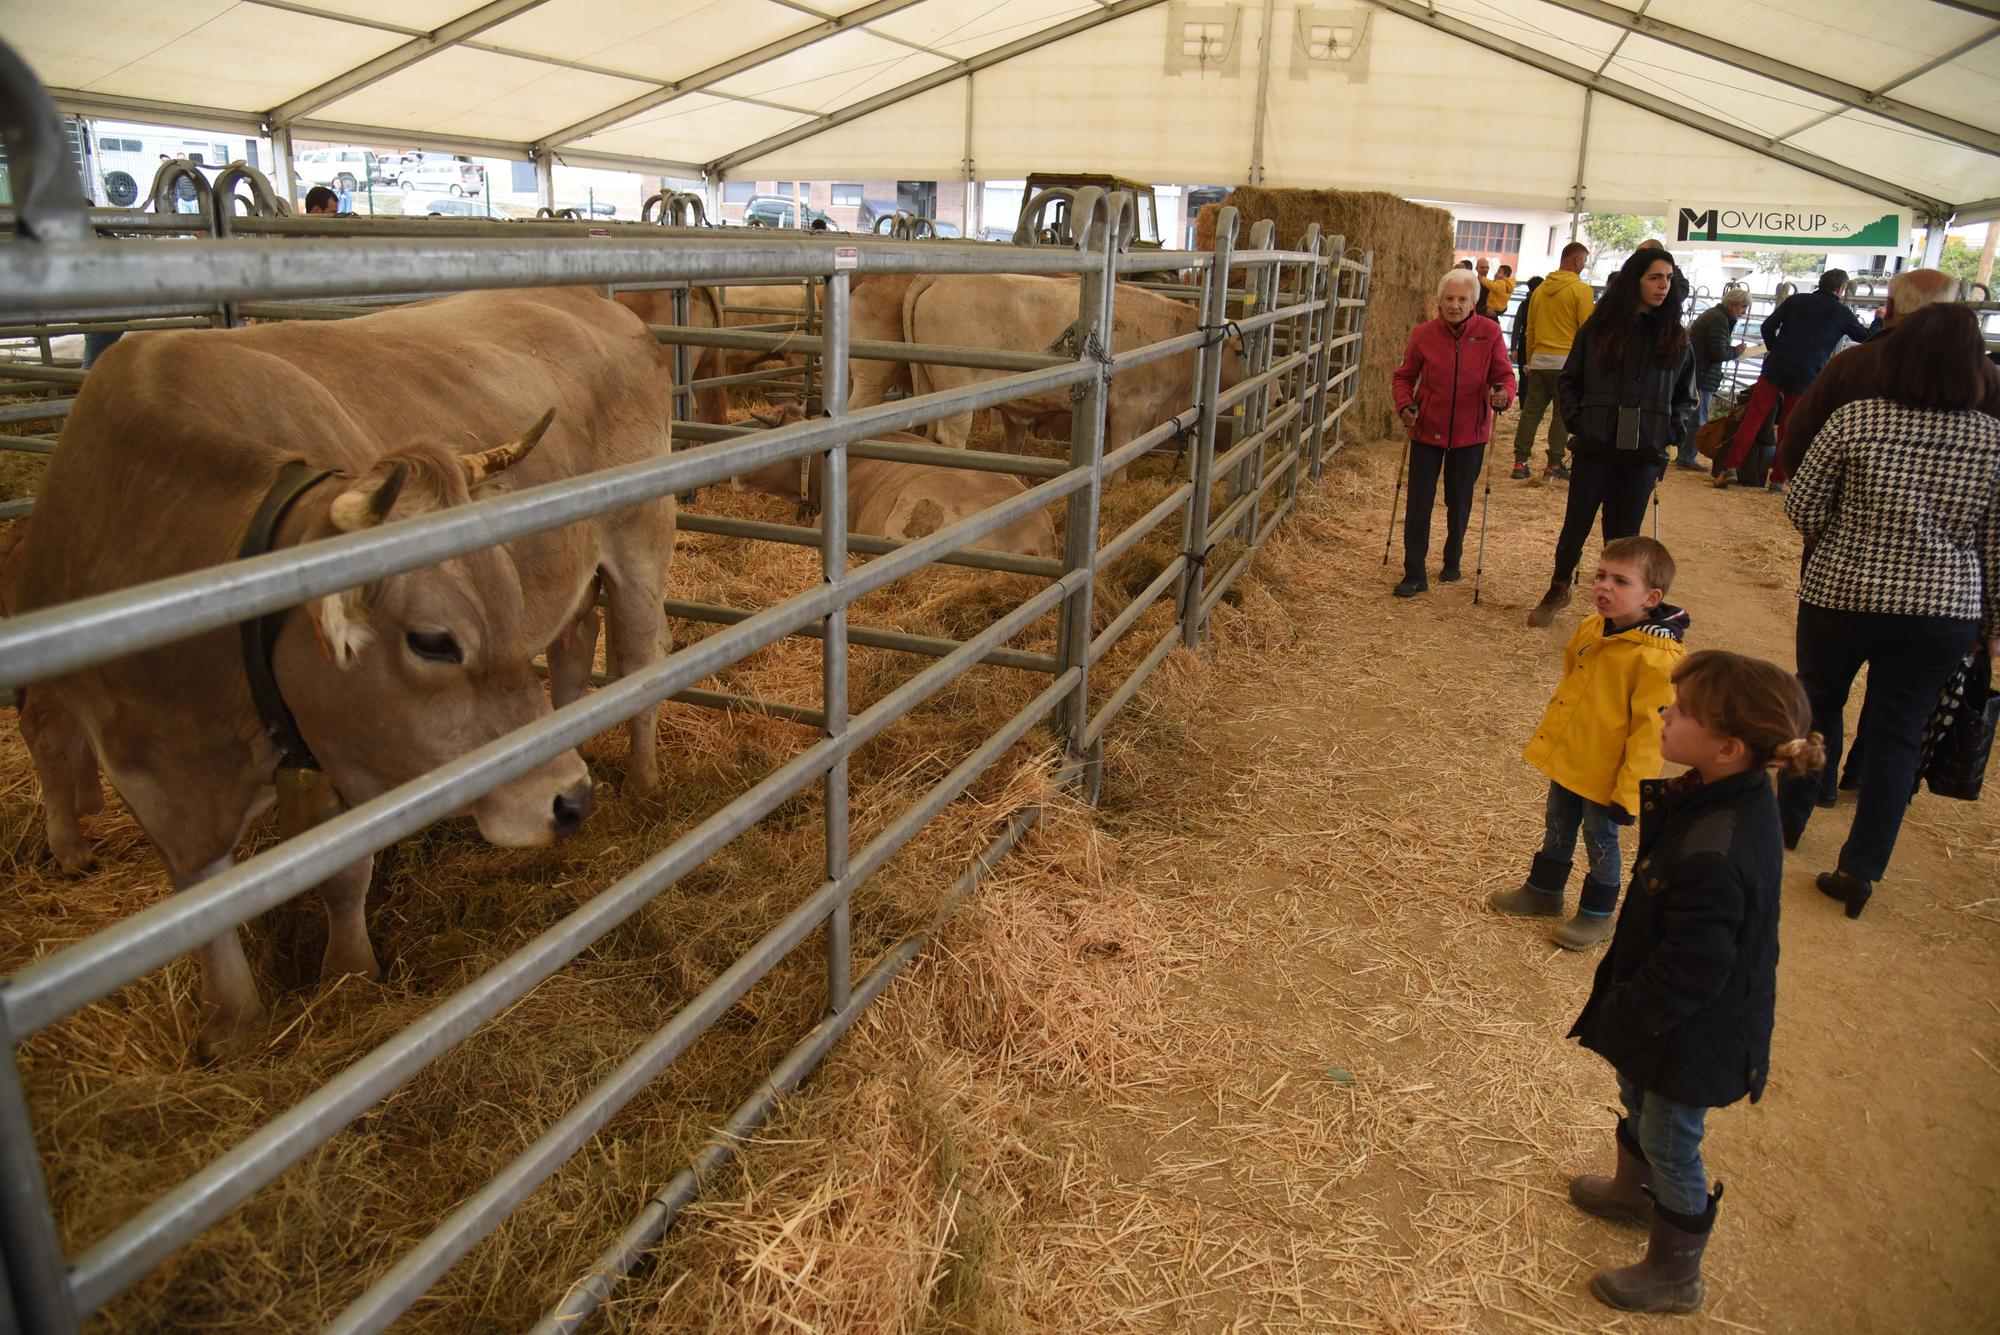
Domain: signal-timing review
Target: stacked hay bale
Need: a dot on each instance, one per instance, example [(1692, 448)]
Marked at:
[(1413, 248)]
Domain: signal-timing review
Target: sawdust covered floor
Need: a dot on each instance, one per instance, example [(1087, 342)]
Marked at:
[(1286, 1071)]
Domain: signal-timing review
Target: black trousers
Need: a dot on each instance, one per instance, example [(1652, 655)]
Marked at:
[(1460, 467), (1908, 659), (1618, 482)]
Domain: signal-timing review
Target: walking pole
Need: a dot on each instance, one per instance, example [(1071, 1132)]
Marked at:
[(1394, 499), (1656, 513), (1485, 508)]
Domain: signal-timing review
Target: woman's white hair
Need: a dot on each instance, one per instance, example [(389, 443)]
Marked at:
[(1458, 278)]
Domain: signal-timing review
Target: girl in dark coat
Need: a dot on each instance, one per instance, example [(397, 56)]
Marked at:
[(1682, 1002), (1627, 392)]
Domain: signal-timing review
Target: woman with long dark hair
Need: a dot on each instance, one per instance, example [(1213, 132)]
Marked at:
[(1896, 501), (1626, 394)]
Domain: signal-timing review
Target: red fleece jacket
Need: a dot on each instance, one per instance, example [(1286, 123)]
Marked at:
[(1449, 373)]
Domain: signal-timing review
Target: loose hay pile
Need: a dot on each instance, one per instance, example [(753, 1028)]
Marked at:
[(1041, 978), (1413, 248)]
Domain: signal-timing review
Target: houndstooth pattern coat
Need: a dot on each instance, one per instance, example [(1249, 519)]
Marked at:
[(1900, 508)]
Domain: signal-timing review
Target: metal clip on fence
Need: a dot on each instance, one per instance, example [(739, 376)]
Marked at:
[(264, 201)]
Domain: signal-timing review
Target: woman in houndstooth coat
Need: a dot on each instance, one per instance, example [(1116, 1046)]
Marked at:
[(1896, 500)]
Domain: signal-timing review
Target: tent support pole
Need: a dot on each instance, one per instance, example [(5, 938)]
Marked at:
[(1263, 93), (969, 224), (284, 171), (1582, 155), (545, 178)]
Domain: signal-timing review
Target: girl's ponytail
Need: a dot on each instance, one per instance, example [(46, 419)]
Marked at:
[(1758, 703), (1801, 755)]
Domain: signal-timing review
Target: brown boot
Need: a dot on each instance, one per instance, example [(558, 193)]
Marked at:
[(1554, 601), (1669, 1279), (1621, 1198)]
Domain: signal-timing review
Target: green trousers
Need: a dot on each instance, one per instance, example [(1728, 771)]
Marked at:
[(1540, 394)]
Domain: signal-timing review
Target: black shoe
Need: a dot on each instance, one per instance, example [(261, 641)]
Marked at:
[(1449, 575), (1849, 890), (1520, 472), (1412, 585), (1828, 802), (1850, 782)]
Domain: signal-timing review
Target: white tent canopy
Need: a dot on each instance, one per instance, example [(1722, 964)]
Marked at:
[(1612, 105)]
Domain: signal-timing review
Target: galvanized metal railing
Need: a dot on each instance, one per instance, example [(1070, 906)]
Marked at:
[(1305, 324)]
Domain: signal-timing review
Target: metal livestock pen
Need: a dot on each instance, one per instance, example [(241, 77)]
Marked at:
[(1299, 313)]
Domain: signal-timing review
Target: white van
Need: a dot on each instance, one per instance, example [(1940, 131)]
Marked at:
[(127, 157), (347, 169)]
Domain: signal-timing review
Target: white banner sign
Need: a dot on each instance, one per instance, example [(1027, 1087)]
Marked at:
[(1722, 225)]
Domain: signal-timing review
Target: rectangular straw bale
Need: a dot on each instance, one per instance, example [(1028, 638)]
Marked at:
[(1413, 248)]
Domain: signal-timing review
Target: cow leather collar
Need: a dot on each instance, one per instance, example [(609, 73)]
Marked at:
[(260, 634)]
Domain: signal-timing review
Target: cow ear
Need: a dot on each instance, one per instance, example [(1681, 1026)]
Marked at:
[(341, 622), (483, 465), (367, 503)]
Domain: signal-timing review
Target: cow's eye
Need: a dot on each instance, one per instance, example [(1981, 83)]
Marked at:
[(440, 646)]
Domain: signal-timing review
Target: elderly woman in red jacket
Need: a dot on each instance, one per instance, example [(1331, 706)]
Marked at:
[(1455, 376)]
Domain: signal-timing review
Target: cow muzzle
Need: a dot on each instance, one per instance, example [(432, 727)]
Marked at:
[(572, 806)]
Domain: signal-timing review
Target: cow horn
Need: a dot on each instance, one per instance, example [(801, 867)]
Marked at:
[(478, 467), (367, 502)]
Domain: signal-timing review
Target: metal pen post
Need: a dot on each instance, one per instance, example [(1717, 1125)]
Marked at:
[(833, 660)]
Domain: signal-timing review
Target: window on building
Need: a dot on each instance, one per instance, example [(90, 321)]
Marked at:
[(1488, 238), (847, 192), (784, 189), (738, 192)]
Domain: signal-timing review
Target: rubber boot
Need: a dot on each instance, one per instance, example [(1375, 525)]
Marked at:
[(1554, 601), (1594, 918), (1533, 898), (1622, 1197), (1584, 930), (1669, 1279)]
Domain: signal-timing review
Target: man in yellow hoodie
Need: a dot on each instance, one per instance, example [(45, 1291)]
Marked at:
[(1601, 736), (1560, 306)]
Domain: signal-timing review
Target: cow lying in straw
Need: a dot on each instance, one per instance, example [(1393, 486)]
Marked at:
[(905, 500), (176, 441)]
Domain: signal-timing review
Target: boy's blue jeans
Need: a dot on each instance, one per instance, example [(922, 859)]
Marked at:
[(1566, 813), (1670, 1134)]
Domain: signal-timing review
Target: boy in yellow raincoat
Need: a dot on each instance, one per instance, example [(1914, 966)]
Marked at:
[(1601, 735)]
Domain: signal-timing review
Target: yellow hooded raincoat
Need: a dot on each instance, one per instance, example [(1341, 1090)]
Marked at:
[(1601, 733)]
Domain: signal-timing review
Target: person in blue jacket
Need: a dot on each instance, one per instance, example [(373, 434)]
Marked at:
[(1799, 338)]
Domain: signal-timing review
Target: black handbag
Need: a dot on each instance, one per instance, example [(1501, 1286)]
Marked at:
[(1959, 737)]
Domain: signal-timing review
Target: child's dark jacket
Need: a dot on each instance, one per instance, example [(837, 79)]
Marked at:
[(1683, 1000)]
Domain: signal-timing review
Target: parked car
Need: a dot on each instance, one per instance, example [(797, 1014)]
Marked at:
[(417, 204), (771, 211), (443, 176), (342, 168)]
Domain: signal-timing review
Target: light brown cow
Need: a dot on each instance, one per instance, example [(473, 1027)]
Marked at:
[(1029, 314), (906, 500), (175, 440), (875, 311), (65, 765), (657, 307)]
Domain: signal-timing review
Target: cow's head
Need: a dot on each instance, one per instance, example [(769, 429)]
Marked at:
[(781, 478), (399, 676)]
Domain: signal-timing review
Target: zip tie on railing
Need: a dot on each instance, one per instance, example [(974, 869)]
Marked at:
[(1228, 329)]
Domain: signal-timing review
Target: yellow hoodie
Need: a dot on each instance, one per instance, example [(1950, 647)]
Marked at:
[(1501, 292), (1560, 306), (1601, 733)]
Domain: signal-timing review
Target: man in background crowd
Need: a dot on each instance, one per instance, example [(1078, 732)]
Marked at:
[(1714, 347), (1800, 335), (1560, 306)]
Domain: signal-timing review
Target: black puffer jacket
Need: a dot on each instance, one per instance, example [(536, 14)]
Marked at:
[(1591, 393), (1714, 349), (1683, 1001)]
